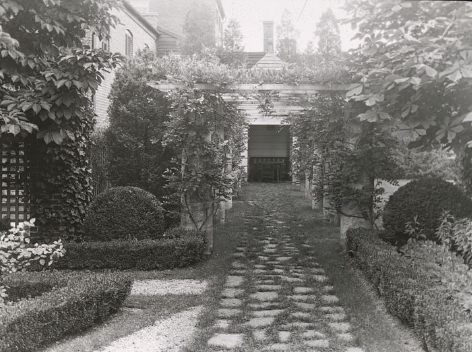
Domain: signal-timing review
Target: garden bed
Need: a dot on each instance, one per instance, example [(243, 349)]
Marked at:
[(132, 254), (427, 287), (59, 304)]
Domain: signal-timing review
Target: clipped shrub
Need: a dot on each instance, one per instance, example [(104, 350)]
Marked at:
[(428, 287), (165, 253), (62, 304), (422, 202), (124, 213)]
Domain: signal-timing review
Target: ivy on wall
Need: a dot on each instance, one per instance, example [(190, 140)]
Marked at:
[(47, 78)]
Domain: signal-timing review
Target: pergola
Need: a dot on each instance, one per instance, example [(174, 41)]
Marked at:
[(287, 99)]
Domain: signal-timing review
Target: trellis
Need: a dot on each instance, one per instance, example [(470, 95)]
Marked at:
[(14, 177)]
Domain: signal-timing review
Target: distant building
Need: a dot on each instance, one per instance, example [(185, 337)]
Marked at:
[(265, 59), (132, 34)]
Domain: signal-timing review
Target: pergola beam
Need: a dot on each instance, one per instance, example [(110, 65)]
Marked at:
[(281, 88)]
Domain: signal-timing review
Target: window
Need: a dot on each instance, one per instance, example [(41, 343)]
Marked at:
[(129, 44), (106, 44)]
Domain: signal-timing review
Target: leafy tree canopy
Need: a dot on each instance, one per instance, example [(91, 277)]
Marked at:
[(233, 38), (46, 73), (199, 29), (287, 38), (414, 67), (327, 32)]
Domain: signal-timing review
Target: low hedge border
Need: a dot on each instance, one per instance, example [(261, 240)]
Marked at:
[(158, 254), (419, 288), (74, 303)]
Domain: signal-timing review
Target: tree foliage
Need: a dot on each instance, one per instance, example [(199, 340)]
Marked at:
[(138, 114), (232, 51), (199, 29), (414, 67), (329, 40), (287, 38), (47, 75)]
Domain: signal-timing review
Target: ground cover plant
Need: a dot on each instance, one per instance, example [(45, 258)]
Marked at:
[(425, 285), (58, 304)]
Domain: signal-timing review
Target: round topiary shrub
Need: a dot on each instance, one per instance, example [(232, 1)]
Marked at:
[(425, 198), (124, 213)]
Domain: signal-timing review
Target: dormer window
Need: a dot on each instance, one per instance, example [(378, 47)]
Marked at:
[(129, 44)]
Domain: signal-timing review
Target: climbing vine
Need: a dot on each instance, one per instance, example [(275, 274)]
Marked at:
[(342, 158), (208, 133)]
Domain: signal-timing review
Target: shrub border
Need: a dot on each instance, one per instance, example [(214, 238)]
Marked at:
[(132, 254), (411, 294), (76, 302)]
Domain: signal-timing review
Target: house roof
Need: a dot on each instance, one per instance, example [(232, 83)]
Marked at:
[(252, 58), (270, 62), (140, 18)]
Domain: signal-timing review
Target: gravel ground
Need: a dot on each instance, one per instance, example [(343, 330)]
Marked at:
[(169, 335), (168, 287)]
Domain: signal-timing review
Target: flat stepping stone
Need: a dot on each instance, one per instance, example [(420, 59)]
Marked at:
[(317, 343), (291, 279), (267, 312), (320, 278), (232, 292), (354, 349), (346, 337), (297, 325), (278, 271), (222, 324), (278, 347), (301, 297), (329, 299), (332, 309), (264, 305), (260, 266), (234, 281), (328, 288), (336, 316), (313, 334), (283, 259), (265, 296), (263, 258), (305, 306), (268, 287), (300, 315), (302, 290), (227, 341), (238, 255), (239, 265), (340, 327), (228, 312), (259, 335), (260, 322), (231, 302), (261, 271), (284, 336)]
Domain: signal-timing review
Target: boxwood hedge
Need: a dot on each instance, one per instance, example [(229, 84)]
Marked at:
[(165, 253), (426, 287), (59, 304)]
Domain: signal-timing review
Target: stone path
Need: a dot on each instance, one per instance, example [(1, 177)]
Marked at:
[(278, 298)]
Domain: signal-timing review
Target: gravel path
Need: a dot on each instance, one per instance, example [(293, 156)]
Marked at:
[(169, 335), (168, 287)]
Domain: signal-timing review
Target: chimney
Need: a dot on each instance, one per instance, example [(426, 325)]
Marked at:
[(268, 36)]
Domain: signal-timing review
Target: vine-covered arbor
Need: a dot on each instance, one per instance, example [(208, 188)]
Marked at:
[(265, 107)]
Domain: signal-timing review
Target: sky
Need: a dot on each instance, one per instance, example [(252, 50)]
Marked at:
[(251, 13)]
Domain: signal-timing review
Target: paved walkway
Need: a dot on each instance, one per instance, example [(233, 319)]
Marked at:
[(277, 297)]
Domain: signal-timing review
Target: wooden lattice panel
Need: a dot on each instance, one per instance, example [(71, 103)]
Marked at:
[(14, 181)]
